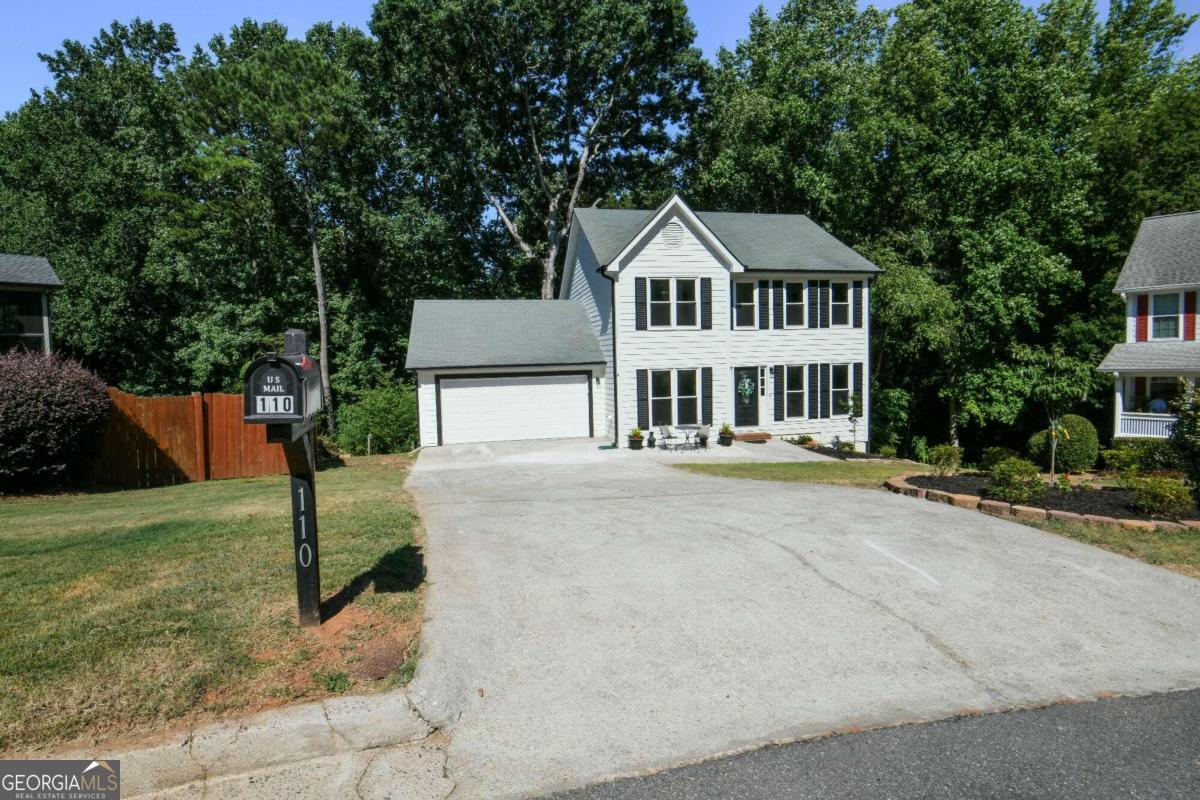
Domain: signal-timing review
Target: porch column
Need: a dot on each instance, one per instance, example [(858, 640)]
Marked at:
[(1118, 383)]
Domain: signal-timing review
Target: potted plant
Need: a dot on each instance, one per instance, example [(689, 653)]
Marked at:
[(635, 439), (725, 435)]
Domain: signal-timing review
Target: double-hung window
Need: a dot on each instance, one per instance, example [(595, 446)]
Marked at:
[(674, 397), (744, 312), (794, 385), (1164, 316), (839, 388), (794, 305), (673, 303), (839, 303)]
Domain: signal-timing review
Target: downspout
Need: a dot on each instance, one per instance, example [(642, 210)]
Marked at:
[(612, 305)]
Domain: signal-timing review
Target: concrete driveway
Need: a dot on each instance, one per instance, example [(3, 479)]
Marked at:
[(594, 613)]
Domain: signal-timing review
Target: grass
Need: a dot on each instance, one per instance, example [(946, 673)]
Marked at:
[(129, 611), (1178, 551), (842, 473)]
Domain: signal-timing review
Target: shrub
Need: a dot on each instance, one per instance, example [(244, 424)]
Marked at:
[(388, 414), (803, 440), (1185, 437), (1015, 480), (52, 412), (994, 455), (843, 446), (1120, 460), (887, 451), (1077, 450), (1164, 497), (919, 449), (1151, 455), (945, 459)]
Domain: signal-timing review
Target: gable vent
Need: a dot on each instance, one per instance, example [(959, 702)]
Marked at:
[(672, 235)]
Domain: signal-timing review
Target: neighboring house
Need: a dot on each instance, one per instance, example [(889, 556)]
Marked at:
[(758, 320), (25, 286), (1158, 283)]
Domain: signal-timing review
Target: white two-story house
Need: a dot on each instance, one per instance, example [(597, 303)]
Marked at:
[(691, 318), (1158, 283)]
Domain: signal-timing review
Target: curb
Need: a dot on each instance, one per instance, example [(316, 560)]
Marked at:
[(287, 735), (998, 508)]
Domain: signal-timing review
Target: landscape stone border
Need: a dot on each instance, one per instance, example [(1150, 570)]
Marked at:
[(998, 508)]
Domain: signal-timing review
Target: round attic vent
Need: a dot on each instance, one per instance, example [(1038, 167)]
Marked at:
[(672, 234)]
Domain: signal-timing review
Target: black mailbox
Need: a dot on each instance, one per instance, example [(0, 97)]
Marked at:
[(282, 389)]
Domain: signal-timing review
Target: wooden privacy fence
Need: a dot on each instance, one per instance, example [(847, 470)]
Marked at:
[(158, 441)]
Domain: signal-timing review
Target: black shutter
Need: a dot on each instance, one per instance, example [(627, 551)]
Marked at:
[(814, 320), (706, 304), (825, 381), (824, 301), (777, 292), (639, 303), (858, 304), (706, 396), (764, 305), (814, 392), (780, 369), (858, 375), (643, 398)]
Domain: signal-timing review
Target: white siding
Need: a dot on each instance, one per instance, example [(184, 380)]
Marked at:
[(723, 348), (593, 291), (427, 408)]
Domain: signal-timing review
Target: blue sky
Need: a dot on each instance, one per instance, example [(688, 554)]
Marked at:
[(41, 25)]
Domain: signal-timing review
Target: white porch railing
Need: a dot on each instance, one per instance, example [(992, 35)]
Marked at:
[(1157, 426)]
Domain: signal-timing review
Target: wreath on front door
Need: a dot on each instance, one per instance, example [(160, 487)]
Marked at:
[(745, 388)]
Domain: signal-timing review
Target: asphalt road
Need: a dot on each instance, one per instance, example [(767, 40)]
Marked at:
[(1146, 747)]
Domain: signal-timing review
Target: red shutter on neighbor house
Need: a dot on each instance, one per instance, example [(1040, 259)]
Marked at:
[(1142, 331), (1189, 316)]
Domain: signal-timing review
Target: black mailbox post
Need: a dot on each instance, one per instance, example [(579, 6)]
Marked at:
[(283, 392)]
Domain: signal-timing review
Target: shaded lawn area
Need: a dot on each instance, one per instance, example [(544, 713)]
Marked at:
[(128, 611), (843, 473)]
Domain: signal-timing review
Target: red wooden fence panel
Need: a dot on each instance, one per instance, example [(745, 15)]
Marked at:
[(159, 441)]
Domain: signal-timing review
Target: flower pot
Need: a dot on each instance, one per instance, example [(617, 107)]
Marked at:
[(725, 439), (635, 444)]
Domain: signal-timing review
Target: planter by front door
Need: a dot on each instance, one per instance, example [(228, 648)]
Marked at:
[(745, 396)]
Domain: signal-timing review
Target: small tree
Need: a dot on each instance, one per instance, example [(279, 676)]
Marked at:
[(1056, 381), (856, 410), (1185, 434)]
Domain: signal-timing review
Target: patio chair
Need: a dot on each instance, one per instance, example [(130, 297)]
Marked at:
[(666, 438), (700, 440)]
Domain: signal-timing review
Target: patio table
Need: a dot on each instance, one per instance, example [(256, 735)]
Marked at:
[(689, 433)]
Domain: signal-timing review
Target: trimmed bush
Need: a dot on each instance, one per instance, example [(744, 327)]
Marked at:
[(1077, 451), (1164, 497), (1120, 460), (1151, 455), (52, 413), (887, 451), (945, 459), (994, 455), (1015, 480), (388, 414)]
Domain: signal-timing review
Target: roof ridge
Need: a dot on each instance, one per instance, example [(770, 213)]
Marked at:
[(1172, 214)]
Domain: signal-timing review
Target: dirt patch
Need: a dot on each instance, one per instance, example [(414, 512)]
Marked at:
[(1107, 501)]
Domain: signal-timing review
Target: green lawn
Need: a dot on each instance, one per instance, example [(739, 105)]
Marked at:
[(127, 611), (1178, 551), (842, 473)]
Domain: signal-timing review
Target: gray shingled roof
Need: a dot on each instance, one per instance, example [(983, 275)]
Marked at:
[(27, 270), (500, 333), (1165, 252), (1152, 357), (768, 242)]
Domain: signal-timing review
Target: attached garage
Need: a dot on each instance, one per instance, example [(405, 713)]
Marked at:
[(504, 370)]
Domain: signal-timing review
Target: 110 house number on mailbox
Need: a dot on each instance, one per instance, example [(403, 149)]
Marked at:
[(273, 395)]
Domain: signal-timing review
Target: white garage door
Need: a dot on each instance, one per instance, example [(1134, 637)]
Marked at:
[(516, 407)]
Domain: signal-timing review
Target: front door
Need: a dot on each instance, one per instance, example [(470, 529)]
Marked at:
[(745, 397)]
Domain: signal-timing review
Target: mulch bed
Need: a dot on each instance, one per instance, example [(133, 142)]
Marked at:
[(1107, 501), (842, 454)]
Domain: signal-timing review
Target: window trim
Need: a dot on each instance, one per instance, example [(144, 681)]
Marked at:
[(674, 397), (848, 303), (802, 391), (849, 390), (673, 301), (1179, 317), (734, 305), (803, 304)]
